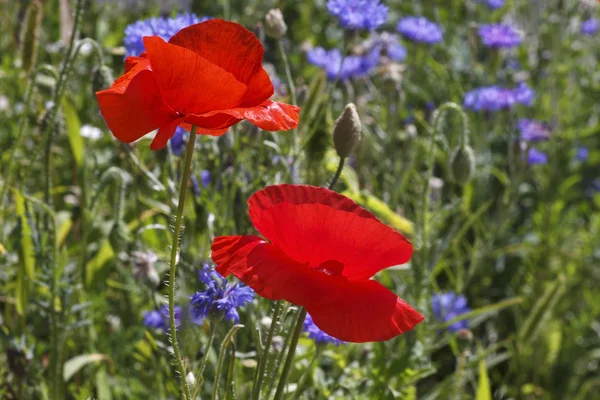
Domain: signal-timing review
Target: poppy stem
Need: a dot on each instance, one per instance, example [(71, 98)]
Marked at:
[(338, 173), (266, 351), (291, 352), (174, 258)]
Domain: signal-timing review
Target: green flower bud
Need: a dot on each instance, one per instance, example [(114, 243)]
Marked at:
[(102, 78), (462, 164), (119, 236), (347, 131), (464, 339), (30, 35), (275, 26), (59, 127)]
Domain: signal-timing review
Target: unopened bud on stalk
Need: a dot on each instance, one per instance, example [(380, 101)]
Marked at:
[(30, 35), (462, 164), (275, 26), (102, 78), (464, 338), (347, 131), (59, 127)]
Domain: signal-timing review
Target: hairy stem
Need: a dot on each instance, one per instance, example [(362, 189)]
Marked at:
[(174, 259)]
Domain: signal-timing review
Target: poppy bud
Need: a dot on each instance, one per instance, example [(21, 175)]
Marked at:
[(464, 338), (346, 132), (119, 236), (30, 35), (462, 164), (275, 26), (60, 126), (102, 77)]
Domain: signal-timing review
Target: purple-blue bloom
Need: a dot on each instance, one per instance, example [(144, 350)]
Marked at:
[(317, 334), (420, 29), (177, 142), (447, 306), (590, 26), (495, 98), (524, 94), (205, 177), (358, 14), (499, 36), (535, 156), (388, 45), (156, 26), (220, 297), (351, 67), (582, 154), (159, 319), (489, 98), (494, 4), (533, 131)]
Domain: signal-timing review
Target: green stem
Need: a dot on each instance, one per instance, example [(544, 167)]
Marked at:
[(430, 162), (304, 378), (290, 356), (265, 353), (279, 360), (228, 339), (200, 373), (173, 262), (22, 127), (338, 173), (291, 87)]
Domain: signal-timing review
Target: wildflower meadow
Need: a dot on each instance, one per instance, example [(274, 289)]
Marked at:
[(328, 199)]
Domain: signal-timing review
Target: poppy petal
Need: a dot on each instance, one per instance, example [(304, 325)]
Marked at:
[(364, 311), (260, 89), (226, 44), (354, 311), (189, 83), (132, 107), (217, 122), (268, 270), (321, 226), (270, 115), (163, 135)]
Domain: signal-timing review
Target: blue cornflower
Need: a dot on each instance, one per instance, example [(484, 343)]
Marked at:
[(533, 131), (447, 306), (317, 334), (420, 29), (205, 177), (582, 154), (387, 44), (220, 297), (358, 14), (499, 35), (493, 4), (535, 156), (489, 98), (590, 26), (351, 67), (159, 319), (495, 98), (524, 94), (178, 141), (157, 26)]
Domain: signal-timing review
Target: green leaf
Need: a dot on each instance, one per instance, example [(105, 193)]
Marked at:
[(75, 364), (73, 131), (105, 254), (492, 308), (484, 391), (26, 272), (382, 211)]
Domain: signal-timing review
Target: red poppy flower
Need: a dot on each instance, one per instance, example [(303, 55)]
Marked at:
[(323, 250), (209, 75)]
